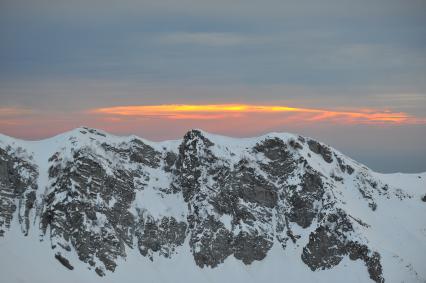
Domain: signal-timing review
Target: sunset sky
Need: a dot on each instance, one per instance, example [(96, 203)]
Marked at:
[(349, 73)]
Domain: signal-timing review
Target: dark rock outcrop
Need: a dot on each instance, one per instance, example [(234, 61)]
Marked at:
[(65, 262), (162, 236), (330, 242), (211, 242), (303, 200), (320, 149), (87, 207), (18, 186)]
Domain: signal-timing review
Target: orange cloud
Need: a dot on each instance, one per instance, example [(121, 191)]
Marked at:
[(172, 120), (222, 111)]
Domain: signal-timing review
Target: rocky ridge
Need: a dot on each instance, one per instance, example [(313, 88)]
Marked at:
[(98, 196)]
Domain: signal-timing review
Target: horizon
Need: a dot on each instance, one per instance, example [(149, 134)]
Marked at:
[(178, 138), (349, 74)]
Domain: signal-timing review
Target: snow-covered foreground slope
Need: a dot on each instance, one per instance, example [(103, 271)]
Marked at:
[(87, 206)]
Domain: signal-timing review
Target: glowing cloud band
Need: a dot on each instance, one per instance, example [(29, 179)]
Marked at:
[(222, 111)]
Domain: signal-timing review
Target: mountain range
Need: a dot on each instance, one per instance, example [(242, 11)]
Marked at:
[(89, 206)]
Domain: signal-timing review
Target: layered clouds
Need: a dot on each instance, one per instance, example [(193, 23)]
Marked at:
[(61, 60)]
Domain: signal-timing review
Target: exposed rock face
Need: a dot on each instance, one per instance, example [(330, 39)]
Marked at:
[(161, 236), (322, 150), (330, 242), (303, 200), (235, 200), (211, 242), (87, 208), (18, 186), (279, 163), (213, 191), (344, 167), (136, 151)]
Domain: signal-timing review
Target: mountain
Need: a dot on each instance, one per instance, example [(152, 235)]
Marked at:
[(87, 206)]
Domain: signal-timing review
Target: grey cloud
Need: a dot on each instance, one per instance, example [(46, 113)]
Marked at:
[(68, 56), (208, 38)]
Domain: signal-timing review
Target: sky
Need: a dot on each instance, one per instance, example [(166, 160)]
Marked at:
[(348, 73)]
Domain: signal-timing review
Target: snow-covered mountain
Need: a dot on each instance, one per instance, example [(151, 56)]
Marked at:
[(87, 206)]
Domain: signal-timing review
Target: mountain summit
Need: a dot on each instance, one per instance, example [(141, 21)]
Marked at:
[(87, 206)]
